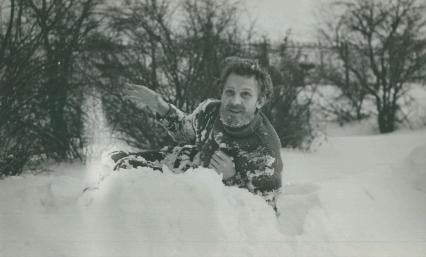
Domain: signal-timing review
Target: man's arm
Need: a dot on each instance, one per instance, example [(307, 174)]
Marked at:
[(144, 97), (181, 126), (265, 175), (184, 128), (265, 181)]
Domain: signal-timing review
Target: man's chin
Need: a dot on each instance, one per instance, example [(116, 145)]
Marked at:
[(235, 125), (232, 122)]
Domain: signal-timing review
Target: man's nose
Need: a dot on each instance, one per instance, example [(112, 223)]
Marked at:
[(236, 100)]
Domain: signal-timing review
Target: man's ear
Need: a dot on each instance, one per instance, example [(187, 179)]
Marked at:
[(260, 102)]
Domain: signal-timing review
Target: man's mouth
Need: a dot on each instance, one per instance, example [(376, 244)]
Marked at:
[(234, 111)]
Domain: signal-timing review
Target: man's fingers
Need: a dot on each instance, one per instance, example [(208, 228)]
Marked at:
[(215, 165), (136, 100), (135, 85), (220, 155), (138, 89), (129, 87), (223, 157), (218, 160), (214, 162), (130, 93)]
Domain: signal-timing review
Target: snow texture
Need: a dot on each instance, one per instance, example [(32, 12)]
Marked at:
[(135, 213), (417, 165), (358, 195), (355, 196)]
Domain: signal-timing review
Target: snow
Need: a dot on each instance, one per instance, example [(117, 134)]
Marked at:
[(417, 167), (362, 193), (357, 194), (135, 213)]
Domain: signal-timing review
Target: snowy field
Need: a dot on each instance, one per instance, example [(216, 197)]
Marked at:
[(358, 194)]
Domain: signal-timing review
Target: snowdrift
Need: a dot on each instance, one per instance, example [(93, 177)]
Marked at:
[(355, 196), (358, 196), (136, 212)]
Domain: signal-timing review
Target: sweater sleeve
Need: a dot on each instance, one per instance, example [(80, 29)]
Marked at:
[(265, 178), (265, 175), (182, 127)]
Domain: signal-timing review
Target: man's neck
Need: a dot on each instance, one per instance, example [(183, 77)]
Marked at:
[(245, 130)]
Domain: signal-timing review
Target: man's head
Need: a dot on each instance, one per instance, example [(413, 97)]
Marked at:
[(246, 88)]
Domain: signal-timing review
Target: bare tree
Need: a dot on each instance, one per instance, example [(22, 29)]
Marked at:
[(20, 69), (382, 48), (173, 48), (211, 33), (138, 46), (40, 92), (63, 25)]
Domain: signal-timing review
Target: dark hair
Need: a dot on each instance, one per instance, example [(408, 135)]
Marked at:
[(248, 67)]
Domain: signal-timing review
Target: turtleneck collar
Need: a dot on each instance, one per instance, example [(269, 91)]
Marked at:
[(243, 131)]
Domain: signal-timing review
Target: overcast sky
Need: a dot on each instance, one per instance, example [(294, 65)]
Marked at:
[(275, 17)]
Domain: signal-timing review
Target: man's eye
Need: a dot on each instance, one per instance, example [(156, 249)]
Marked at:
[(245, 94), (229, 92)]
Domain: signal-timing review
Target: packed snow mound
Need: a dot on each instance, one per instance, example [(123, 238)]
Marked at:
[(355, 196), (137, 212), (417, 161)]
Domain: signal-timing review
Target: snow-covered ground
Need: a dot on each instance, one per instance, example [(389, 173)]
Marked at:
[(354, 196), (358, 194)]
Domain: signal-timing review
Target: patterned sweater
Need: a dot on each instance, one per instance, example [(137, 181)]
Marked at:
[(254, 148)]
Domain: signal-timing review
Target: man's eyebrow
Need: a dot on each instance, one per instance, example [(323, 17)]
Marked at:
[(247, 89), (242, 89)]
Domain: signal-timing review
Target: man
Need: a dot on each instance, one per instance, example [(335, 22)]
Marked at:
[(230, 135)]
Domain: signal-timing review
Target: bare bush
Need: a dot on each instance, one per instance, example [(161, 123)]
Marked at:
[(382, 47)]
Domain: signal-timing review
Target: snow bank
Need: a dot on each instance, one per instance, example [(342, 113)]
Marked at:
[(417, 164), (135, 213), (93, 211), (355, 197)]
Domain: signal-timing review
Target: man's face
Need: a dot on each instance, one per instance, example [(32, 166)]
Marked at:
[(239, 100)]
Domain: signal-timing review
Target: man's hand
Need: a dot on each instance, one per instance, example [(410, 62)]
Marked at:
[(222, 163), (142, 97)]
